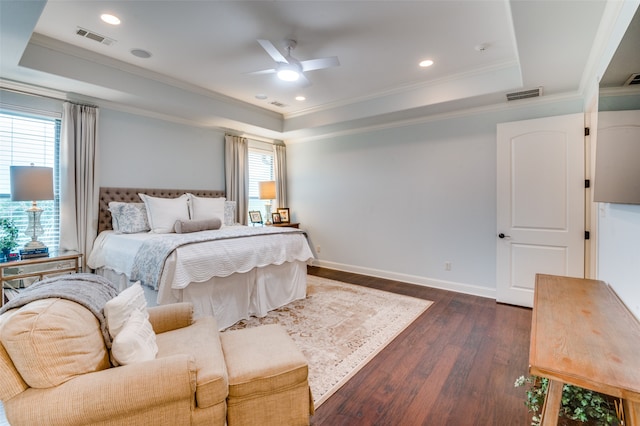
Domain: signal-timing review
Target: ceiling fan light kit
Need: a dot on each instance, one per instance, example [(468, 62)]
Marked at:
[(288, 72)]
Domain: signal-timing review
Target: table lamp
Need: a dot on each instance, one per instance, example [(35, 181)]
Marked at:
[(267, 191), (31, 183)]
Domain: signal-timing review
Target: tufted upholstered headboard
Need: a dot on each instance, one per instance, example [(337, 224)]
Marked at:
[(130, 195)]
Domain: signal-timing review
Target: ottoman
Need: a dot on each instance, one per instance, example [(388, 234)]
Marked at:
[(268, 378)]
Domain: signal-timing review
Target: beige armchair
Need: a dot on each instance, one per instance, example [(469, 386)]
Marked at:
[(60, 372)]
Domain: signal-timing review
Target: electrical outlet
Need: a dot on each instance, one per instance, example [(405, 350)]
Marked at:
[(317, 249), (447, 266)]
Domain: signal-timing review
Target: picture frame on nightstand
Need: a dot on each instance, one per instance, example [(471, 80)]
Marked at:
[(284, 214), (255, 216), (275, 218)]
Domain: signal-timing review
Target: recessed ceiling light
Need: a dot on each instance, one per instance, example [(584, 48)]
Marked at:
[(110, 19), (300, 98), (426, 63), (261, 96), (141, 53)]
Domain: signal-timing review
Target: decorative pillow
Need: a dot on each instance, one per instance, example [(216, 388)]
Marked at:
[(229, 213), (163, 212), (186, 226), (129, 218), (206, 208), (136, 342), (51, 341), (118, 309)]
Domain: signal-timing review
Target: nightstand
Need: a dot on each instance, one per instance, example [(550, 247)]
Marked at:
[(289, 225), (18, 274)]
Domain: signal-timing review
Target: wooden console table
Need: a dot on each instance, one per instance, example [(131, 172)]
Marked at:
[(583, 335)]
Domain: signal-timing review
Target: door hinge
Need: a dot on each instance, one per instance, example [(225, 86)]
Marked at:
[(587, 235), (586, 131), (587, 183)]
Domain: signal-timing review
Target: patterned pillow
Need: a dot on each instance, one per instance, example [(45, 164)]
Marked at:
[(129, 218), (229, 213)]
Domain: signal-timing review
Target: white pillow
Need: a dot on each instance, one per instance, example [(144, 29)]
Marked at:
[(206, 208), (136, 342), (163, 212), (118, 310)]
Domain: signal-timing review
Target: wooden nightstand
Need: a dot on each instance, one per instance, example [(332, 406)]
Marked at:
[(289, 225), (19, 274)]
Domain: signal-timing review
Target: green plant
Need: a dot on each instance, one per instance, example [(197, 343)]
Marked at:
[(8, 235), (578, 404)]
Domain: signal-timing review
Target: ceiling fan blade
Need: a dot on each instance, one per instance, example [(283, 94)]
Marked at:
[(269, 71), (272, 51), (303, 81), (320, 63)]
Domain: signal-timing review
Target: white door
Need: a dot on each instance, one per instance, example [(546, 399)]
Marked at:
[(540, 203)]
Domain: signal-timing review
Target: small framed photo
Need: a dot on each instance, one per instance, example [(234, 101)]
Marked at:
[(284, 215), (255, 216), (275, 218)]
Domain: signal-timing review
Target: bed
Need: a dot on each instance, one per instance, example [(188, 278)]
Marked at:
[(232, 272)]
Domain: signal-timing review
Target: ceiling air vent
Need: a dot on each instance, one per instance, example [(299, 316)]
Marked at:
[(278, 104), (634, 79), (94, 36), (524, 94)]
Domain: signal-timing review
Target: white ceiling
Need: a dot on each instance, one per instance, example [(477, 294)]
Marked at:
[(203, 50)]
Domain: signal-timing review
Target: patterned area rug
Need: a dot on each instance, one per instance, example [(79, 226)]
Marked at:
[(340, 327)]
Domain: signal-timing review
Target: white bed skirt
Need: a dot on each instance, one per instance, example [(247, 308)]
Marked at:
[(233, 298)]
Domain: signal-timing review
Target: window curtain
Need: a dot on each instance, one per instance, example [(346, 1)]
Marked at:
[(280, 174), (236, 168), (79, 178)]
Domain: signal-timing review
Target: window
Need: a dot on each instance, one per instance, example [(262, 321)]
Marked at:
[(260, 169), (27, 139)]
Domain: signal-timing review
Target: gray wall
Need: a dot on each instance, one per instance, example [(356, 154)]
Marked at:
[(401, 202), (137, 151), (396, 202)]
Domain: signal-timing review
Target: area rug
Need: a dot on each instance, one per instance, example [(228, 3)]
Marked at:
[(340, 327)]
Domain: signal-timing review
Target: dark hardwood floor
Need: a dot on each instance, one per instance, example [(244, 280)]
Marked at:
[(455, 365)]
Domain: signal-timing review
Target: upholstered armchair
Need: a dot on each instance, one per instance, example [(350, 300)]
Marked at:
[(55, 369)]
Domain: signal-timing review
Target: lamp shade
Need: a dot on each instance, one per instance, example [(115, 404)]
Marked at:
[(31, 183), (267, 190)]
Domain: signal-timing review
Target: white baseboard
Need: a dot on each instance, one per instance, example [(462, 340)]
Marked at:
[(472, 289)]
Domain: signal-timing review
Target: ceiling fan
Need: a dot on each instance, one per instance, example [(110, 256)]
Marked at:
[(289, 68)]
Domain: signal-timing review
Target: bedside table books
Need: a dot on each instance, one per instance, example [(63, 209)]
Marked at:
[(39, 252)]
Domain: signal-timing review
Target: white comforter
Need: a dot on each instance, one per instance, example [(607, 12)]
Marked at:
[(194, 262)]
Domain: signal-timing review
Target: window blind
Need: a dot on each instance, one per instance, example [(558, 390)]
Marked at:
[(26, 140), (260, 169)]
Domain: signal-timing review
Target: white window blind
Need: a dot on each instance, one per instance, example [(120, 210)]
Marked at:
[(24, 140), (260, 169)]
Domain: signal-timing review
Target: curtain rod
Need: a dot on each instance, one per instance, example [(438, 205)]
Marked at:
[(253, 137), (58, 97)]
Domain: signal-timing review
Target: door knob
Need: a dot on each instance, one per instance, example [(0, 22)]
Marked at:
[(501, 235)]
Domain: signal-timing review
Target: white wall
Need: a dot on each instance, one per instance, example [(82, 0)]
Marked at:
[(619, 224), (619, 251), (400, 202), (137, 151)]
